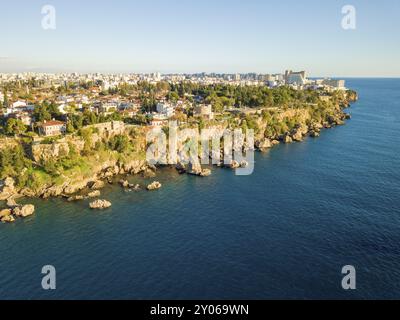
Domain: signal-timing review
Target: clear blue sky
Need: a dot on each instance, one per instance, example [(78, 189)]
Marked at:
[(202, 35)]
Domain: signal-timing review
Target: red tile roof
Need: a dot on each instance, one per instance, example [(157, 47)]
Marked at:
[(52, 123)]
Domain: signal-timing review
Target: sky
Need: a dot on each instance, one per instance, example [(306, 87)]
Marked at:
[(188, 36)]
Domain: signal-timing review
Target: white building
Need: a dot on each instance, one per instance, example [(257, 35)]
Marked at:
[(165, 109), (19, 104), (336, 84), (296, 78), (52, 128)]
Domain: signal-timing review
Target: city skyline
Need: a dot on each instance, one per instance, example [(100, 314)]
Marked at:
[(189, 37)]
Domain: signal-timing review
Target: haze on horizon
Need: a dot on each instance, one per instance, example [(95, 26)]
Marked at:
[(189, 36)]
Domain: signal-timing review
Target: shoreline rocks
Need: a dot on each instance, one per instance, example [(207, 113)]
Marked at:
[(7, 219), (196, 170), (75, 198), (24, 211), (287, 139), (154, 186), (100, 204), (181, 168), (8, 215), (96, 185), (264, 144), (8, 190), (94, 194)]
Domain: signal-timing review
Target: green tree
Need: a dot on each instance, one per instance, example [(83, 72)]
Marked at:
[(15, 126), (41, 113), (119, 143)]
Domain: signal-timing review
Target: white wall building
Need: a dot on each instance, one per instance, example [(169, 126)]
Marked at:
[(165, 109)]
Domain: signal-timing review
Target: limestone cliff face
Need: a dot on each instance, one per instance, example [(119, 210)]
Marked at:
[(42, 151), (56, 149)]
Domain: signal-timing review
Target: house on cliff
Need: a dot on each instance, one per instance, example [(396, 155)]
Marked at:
[(52, 128)]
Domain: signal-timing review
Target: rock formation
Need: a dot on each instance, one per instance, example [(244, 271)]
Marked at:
[(154, 186), (24, 211), (100, 204)]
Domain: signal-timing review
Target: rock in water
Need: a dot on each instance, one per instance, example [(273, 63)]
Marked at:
[(100, 204), (264, 144), (7, 219), (94, 194), (181, 168), (234, 164), (5, 213), (205, 173), (135, 187), (297, 136), (75, 198), (24, 211), (154, 186), (314, 134), (244, 164), (95, 185), (287, 139), (124, 183)]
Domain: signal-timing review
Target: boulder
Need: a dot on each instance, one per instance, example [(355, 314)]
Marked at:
[(195, 168), (7, 219), (135, 187), (234, 164), (297, 136), (95, 185), (94, 194), (11, 202), (244, 164), (181, 168), (287, 139), (205, 173), (8, 189), (275, 142), (314, 134), (24, 211), (76, 198), (100, 204), (5, 213), (154, 186), (124, 183), (264, 144)]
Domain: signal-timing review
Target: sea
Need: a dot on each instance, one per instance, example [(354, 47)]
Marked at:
[(284, 232)]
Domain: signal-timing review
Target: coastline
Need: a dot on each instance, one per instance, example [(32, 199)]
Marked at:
[(81, 188)]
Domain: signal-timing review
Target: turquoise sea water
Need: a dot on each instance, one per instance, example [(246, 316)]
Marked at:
[(284, 232)]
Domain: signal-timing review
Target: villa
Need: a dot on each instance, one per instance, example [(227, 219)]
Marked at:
[(52, 128)]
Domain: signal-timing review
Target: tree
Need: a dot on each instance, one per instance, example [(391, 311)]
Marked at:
[(41, 113), (119, 143), (15, 126), (70, 127), (5, 102), (53, 110)]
